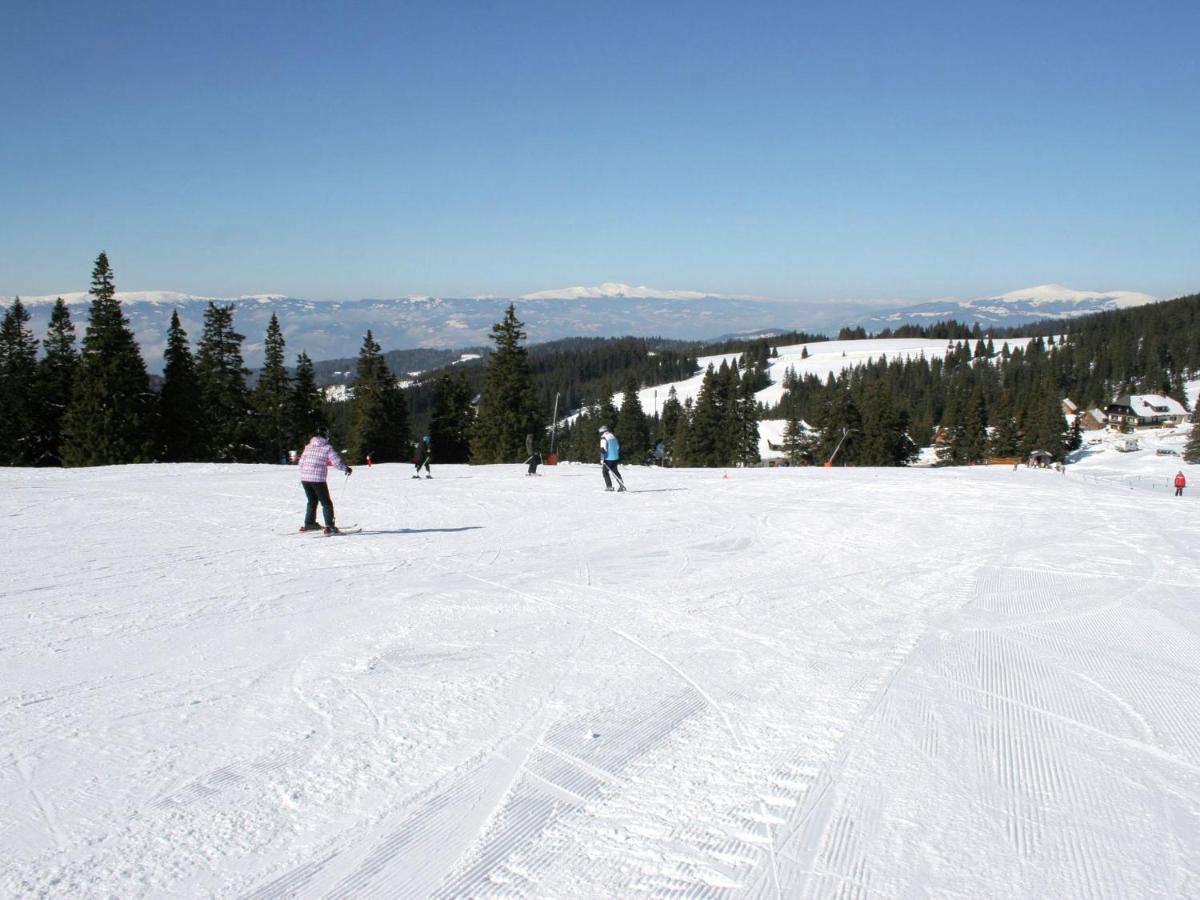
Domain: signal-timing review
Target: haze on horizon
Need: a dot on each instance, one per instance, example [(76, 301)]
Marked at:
[(881, 152)]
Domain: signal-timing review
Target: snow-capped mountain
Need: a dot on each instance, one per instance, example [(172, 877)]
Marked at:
[(1045, 301), (335, 329), (616, 289)]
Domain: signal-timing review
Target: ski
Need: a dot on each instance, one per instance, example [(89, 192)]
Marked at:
[(349, 529)]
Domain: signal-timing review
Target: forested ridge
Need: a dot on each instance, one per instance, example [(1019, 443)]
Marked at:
[(95, 404)]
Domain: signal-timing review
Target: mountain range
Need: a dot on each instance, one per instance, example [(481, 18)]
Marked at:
[(335, 329)]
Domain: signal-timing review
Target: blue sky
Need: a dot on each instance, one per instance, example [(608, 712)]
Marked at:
[(789, 150)]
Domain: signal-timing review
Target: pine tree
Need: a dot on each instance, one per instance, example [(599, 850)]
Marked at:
[(884, 438), (18, 375), (307, 404), (379, 418), (224, 400), (798, 443), (746, 451), (178, 415), (55, 384), (671, 412), (841, 430), (508, 405), (1191, 452), (631, 427), (110, 420), (452, 418), (704, 434), (272, 397), (680, 438)]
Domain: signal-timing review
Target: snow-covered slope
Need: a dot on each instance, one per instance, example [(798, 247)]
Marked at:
[(787, 683), (824, 358)]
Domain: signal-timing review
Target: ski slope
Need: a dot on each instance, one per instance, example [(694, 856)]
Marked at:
[(784, 683)]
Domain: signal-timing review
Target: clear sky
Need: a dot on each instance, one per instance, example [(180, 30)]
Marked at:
[(837, 150)]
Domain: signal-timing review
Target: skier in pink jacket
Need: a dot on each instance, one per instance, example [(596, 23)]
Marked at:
[(315, 461)]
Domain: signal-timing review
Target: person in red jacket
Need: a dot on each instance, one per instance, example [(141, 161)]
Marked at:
[(1180, 484)]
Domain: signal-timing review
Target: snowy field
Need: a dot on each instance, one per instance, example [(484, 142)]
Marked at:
[(787, 683)]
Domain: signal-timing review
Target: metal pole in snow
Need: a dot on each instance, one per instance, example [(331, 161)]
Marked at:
[(554, 422)]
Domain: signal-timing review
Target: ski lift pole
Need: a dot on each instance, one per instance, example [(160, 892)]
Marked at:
[(829, 462), (554, 422)]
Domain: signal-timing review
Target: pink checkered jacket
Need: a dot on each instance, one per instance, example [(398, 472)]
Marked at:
[(316, 459)]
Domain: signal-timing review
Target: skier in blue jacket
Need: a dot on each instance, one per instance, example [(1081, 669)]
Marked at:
[(610, 457)]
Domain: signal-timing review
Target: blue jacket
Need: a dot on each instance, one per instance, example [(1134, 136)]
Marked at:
[(610, 447)]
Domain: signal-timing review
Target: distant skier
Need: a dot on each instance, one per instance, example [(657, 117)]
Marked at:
[(1180, 483), (610, 457), (315, 461), (532, 456), (421, 457)]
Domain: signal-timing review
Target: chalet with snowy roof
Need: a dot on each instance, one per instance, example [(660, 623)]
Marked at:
[(1089, 419), (1146, 411)]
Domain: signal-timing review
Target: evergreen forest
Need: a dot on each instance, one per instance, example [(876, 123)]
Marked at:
[(68, 400)]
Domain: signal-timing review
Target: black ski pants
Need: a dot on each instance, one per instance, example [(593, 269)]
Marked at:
[(423, 461), (610, 465), (317, 492)]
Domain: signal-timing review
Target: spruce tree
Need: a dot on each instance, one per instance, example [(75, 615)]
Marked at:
[(272, 398), (671, 412), (680, 439), (705, 439), (745, 412), (1191, 452), (631, 428), (798, 443), (178, 414), (508, 405), (18, 375), (307, 404), (110, 420), (379, 416), (224, 400), (55, 384), (884, 438), (452, 418)]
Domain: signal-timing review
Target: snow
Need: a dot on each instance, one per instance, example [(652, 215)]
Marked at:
[(1057, 293), (825, 358), (80, 297), (787, 682), (617, 289)]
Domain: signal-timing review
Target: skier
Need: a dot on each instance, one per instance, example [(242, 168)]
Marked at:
[(315, 461), (533, 456), (421, 457), (1180, 483), (610, 456)]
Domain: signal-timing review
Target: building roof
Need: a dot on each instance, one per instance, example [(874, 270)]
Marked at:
[(1149, 405)]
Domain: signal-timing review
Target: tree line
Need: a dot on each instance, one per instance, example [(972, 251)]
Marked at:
[(96, 405)]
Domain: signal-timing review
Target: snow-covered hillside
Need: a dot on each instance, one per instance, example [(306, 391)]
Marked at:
[(824, 358), (786, 683)]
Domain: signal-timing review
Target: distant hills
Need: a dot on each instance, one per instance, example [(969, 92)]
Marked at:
[(329, 330), (1046, 301)]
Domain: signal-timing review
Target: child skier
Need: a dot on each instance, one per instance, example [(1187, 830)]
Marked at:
[(421, 457), (610, 456), (315, 461), (1180, 484), (533, 456)]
